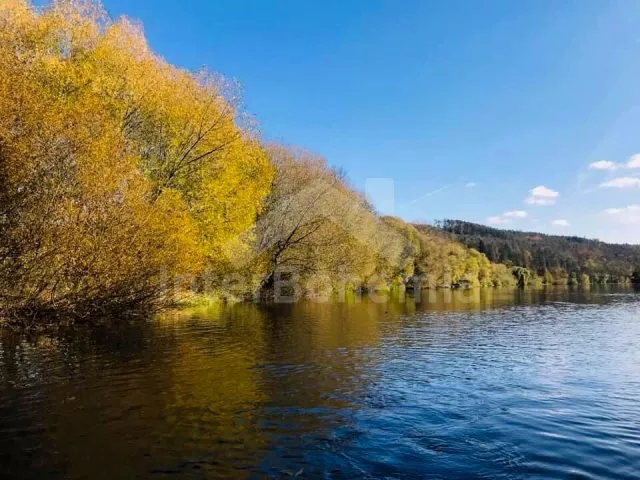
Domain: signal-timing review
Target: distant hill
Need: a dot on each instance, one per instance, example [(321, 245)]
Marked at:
[(563, 257)]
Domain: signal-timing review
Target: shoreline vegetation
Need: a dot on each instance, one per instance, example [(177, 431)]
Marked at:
[(130, 185)]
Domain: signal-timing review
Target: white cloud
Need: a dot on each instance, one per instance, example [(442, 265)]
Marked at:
[(560, 223), (634, 161), (471, 185), (621, 182), (604, 165), (497, 220), (542, 195), (515, 214), (628, 214)]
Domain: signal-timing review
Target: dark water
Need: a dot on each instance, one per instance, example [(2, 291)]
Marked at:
[(495, 385)]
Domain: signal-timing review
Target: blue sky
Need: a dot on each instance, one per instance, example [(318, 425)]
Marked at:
[(467, 106)]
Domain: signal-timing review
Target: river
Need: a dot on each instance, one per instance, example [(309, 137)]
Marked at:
[(482, 384)]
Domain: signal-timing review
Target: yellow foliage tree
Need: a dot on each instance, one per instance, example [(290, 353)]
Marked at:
[(118, 172)]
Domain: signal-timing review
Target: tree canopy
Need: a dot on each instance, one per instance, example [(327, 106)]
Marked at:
[(117, 170)]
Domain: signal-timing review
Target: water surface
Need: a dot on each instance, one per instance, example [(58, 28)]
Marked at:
[(492, 385)]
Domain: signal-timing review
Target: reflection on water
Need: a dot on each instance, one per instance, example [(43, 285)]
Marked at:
[(476, 384)]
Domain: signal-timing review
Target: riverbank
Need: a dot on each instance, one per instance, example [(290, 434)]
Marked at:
[(131, 181)]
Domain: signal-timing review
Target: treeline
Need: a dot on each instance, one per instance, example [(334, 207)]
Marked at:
[(127, 184), (554, 259)]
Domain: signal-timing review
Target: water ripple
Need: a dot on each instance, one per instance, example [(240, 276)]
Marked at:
[(520, 385)]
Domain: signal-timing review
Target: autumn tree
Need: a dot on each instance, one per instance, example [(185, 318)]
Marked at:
[(314, 224), (119, 173)]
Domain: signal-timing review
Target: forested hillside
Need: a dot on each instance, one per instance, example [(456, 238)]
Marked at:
[(559, 259)]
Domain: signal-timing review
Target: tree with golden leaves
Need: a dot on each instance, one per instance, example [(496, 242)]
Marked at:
[(119, 173)]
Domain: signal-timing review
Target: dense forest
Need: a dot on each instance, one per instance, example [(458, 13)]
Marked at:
[(128, 184), (557, 259)]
